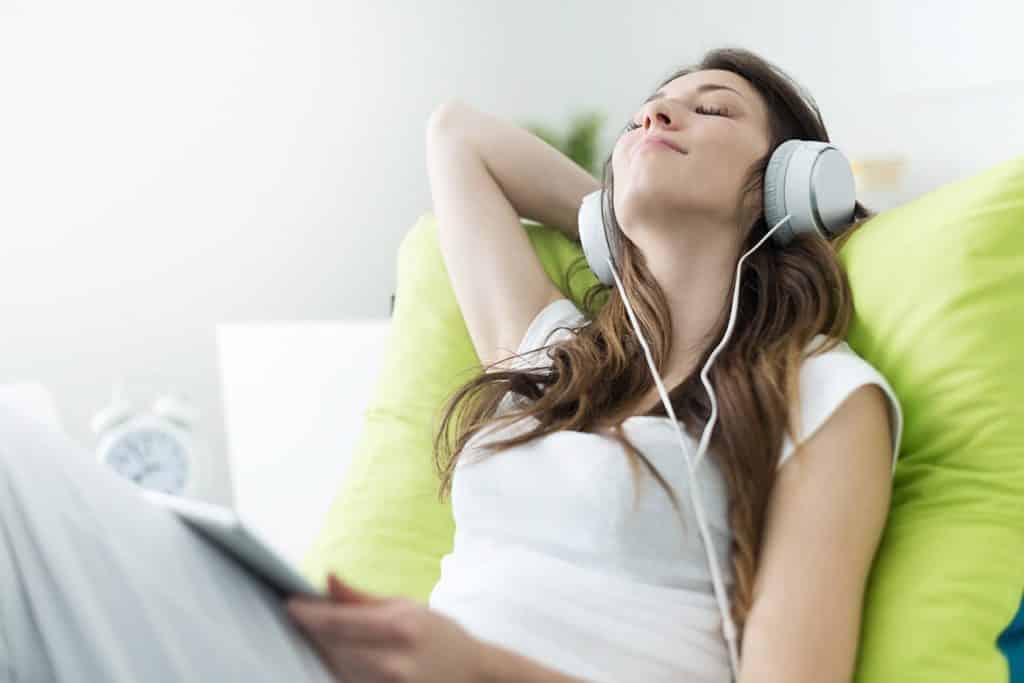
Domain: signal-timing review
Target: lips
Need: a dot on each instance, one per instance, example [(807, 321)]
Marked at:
[(661, 142)]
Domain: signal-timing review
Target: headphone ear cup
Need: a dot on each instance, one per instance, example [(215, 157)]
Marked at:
[(597, 243), (775, 191), (812, 182)]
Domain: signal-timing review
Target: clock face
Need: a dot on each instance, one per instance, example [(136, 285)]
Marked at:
[(151, 458)]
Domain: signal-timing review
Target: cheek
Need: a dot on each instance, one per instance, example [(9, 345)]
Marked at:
[(619, 154), (727, 160), (622, 159)]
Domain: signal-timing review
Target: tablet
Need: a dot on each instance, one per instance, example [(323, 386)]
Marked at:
[(225, 528)]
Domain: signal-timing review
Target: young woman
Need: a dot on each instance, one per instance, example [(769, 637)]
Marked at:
[(576, 556), (576, 537)]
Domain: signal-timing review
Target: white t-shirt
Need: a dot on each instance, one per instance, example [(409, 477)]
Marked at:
[(551, 561)]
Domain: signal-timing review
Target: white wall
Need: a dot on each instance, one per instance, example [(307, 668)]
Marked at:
[(165, 167)]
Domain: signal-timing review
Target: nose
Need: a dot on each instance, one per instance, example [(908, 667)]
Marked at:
[(659, 113)]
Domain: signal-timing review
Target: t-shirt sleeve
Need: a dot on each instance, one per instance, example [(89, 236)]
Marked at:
[(558, 313), (550, 325), (826, 380)]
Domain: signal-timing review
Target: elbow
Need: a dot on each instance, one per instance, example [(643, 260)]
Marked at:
[(446, 116)]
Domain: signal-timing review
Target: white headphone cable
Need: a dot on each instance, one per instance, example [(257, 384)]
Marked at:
[(728, 625)]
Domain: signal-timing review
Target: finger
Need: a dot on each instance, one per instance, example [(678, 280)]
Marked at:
[(344, 592), (347, 662), (345, 623)]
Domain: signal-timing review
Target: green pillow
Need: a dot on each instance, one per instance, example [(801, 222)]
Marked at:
[(939, 291), (938, 286)]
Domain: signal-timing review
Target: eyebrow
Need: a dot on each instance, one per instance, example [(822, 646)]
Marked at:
[(700, 88)]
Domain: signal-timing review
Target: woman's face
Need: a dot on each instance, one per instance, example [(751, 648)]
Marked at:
[(720, 124)]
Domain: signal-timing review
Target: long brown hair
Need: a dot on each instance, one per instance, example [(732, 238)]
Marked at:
[(599, 376)]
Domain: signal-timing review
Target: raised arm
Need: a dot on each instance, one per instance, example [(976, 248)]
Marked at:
[(498, 280)]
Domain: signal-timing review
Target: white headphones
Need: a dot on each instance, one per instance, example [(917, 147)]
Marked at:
[(810, 181), (808, 189)]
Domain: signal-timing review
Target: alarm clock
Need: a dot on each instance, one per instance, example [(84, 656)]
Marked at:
[(155, 449)]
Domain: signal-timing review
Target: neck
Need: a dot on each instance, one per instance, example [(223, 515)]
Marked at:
[(695, 269)]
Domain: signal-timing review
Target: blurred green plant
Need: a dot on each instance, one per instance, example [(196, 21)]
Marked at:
[(579, 143)]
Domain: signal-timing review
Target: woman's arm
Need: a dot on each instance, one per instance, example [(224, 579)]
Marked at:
[(540, 182), (826, 516)]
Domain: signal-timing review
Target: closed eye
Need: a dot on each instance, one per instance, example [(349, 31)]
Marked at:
[(701, 109)]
